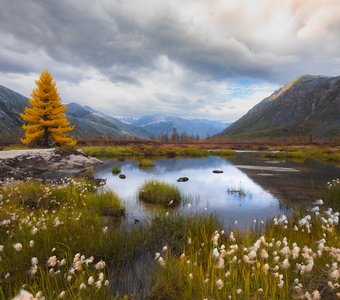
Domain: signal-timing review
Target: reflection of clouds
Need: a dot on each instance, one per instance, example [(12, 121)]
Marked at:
[(206, 188)]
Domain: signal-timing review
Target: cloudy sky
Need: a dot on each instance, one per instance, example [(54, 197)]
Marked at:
[(195, 58)]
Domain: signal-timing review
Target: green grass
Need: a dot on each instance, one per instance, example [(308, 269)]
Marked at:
[(116, 170), (146, 163), (296, 152), (159, 193), (332, 194), (223, 152), (198, 274), (75, 217)]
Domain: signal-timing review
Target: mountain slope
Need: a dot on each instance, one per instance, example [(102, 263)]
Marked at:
[(308, 105), (159, 125), (88, 122), (11, 104)]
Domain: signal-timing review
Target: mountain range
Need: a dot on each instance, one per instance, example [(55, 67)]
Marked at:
[(306, 106), (160, 124), (91, 123)]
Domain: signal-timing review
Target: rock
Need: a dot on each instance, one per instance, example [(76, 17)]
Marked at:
[(217, 171), (183, 179), (121, 158), (44, 163), (122, 176)]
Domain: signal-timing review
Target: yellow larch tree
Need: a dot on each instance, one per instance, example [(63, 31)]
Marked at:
[(46, 121)]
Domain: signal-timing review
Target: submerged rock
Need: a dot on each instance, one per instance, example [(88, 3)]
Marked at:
[(122, 176), (217, 171), (183, 179)]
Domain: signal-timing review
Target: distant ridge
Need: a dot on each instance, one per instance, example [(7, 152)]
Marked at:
[(307, 106), (90, 123), (158, 125)]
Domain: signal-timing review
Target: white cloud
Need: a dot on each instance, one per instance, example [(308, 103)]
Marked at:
[(213, 59)]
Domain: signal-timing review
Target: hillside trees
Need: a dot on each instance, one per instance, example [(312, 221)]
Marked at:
[(46, 122)]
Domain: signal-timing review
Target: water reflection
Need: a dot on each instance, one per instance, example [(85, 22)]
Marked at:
[(206, 192)]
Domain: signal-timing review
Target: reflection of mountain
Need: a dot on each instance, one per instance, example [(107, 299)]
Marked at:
[(176, 165), (302, 187)]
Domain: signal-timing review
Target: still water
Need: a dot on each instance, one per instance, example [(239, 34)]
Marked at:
[(250, 188)]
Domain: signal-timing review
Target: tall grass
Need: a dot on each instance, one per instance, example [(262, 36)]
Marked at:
[(292, 258), (195, 258), (161, 193)]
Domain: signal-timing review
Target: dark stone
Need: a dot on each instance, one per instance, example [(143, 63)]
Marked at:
[(217, 171), (183, 179), (122, 176)]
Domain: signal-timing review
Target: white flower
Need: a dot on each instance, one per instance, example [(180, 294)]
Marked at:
[(82, 286), (23, 295), (34, 261), (189, 241), (62, 294), (62, 262), (215, 253), (285, 264), (252, 255), (239, 291), (318, 202), (335, 274), (101, 276), (17, 246), (220, 263), (161, 261), (105, 229), (264, 254), (215, 238), (52, 261), (100, 265), (98, 284), (31, 244), (157, 256), (316, 295), (219, 284), (90, 281), (266, 268), (106, 283), (1, 248), (165, 248)]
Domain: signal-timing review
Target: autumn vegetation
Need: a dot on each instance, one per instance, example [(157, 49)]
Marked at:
[(46, 123)]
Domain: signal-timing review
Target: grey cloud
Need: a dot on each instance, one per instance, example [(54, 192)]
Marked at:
[(123, 40)]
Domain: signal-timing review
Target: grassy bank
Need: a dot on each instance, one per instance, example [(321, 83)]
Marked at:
[(65, 241), (140, 151), (292, 258), (295, 152)]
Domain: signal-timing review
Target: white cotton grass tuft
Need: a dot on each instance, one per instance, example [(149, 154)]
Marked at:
[(17, 247), (219, 284), (23, 295)]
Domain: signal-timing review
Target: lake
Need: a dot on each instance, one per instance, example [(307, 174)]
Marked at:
[(250, 188)]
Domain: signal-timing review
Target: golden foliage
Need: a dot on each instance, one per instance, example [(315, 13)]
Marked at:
[(45, 119)]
